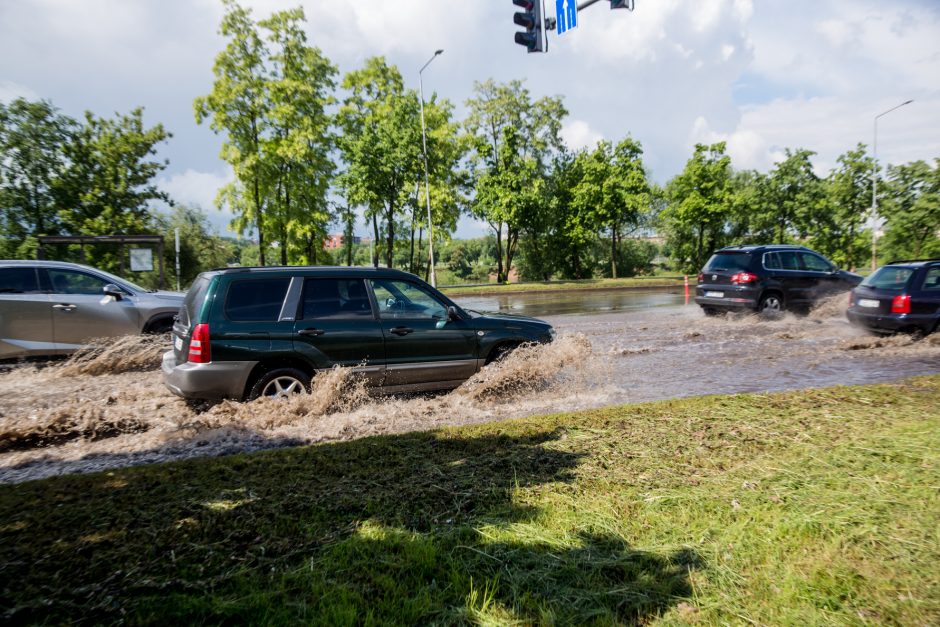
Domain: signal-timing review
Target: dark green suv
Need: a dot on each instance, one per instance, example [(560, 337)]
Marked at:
[(248, 332)]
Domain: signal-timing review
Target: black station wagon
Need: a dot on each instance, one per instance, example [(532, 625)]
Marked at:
[(248, 332)]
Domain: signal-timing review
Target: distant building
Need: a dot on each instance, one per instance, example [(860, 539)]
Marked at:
[(338, 240)]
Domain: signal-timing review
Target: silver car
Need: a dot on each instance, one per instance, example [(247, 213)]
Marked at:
[(54, 308)]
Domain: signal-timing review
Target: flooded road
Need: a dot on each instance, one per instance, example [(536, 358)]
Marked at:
[(111, 409), (561, 302)]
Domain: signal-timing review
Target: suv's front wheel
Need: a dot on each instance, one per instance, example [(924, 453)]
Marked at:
[(280, 383)]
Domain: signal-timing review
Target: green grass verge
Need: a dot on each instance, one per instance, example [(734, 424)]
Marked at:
[(807, 507), (551, 286)]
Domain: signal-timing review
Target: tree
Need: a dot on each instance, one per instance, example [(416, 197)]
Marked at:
[(699, 206), (508, 130), (381, 146), (200, 248), (613, 190), (911, 208), (239, 107), (33, 139), (839, 231), (794, 196), (108, 184)]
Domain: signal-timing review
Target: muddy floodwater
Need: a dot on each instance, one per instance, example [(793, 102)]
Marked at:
[(109, 408), (544, 304)]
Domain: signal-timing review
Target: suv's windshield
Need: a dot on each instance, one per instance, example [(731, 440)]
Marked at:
[(889, 278), (728, 262)]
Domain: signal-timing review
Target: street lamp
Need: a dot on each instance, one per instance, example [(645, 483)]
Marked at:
[(427, 185), (874, 188)]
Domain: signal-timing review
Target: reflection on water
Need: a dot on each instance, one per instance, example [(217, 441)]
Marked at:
[(572, 301)]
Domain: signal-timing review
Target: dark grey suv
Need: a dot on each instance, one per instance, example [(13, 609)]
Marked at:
[(54, 308), (249, 332), (768, 279)]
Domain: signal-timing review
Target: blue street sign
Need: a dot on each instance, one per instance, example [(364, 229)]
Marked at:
[(566, 15)]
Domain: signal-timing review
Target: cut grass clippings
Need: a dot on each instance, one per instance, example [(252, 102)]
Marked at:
[(806, 507)]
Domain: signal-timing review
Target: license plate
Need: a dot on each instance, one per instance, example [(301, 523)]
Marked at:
[(714, 294), (867, 302), (178, 343)]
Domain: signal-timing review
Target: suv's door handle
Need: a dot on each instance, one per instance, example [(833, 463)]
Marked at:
[(401, 331), (311, 331), (65, 307)]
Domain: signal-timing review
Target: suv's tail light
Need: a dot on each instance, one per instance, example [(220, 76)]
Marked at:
[(743, 277), (901, 304), (199, 352)]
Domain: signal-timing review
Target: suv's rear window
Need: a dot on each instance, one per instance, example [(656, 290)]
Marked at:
[(889, 278), (728, 262), (257, 300), (18, 281), (194, 298)]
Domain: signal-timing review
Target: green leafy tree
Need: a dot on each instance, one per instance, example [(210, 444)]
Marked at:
[(699, 206), (513, 139), (33, 138), (239, 107), (108, 185), (839, 230), (911, 208), (381, 147), (613, 190), (201, 249)]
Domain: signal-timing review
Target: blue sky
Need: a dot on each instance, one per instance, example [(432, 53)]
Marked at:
[(763, 76)]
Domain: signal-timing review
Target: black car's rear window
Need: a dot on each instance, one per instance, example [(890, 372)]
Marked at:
[(257, 300), (728, 262), (889, 278), (193, 300), (18, 281)]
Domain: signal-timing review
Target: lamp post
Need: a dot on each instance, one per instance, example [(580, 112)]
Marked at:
[(427, 185), (874, 187)]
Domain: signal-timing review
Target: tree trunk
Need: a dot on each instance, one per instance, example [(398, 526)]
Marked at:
[(259, 222), (613, 251), (499, 253), (375, 241)]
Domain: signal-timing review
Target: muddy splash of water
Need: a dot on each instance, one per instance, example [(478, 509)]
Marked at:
[(831, 307), (115, 355)]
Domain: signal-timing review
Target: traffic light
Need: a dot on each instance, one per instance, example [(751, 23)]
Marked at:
[(621, 4), (530, 18)]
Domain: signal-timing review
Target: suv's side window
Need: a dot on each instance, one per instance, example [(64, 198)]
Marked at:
[(788, 260), (772, 261), (18, 281), (932, 280), (401, 299), (255, 300), (70, 282), (335, 298), (815, 263)]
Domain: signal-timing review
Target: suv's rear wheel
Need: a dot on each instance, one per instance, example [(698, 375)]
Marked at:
[(770, 305), (280, 383)]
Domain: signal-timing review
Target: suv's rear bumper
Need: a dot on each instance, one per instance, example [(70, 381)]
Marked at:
[(890, 323), (212, 381), (732, 296)]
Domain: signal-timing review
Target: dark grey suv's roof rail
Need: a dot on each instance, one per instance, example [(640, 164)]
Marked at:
[(923, 261)]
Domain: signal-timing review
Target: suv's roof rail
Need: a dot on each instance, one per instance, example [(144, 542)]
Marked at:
[(924, 261), (757, 246)]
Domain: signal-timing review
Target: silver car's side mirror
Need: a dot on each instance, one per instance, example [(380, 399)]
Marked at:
[(113, 290)]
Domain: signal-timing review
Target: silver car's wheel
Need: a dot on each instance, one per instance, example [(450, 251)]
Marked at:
[(770, 305), (280, 383)]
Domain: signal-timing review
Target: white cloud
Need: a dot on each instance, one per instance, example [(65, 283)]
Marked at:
[(10, 91), (192, 187), (578, 134)]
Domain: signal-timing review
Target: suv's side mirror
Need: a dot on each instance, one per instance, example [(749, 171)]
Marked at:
[(113, 290), (452, 314)]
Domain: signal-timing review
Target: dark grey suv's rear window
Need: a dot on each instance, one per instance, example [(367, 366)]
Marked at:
[(257, 300), (18, 281), (728, 261)]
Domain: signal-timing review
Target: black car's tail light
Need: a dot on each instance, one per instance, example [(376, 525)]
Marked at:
[(199, 347), (743, 277), (901, 304)]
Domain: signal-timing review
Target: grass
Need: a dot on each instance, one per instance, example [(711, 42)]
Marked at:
[(582, 284), (812, 507)]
